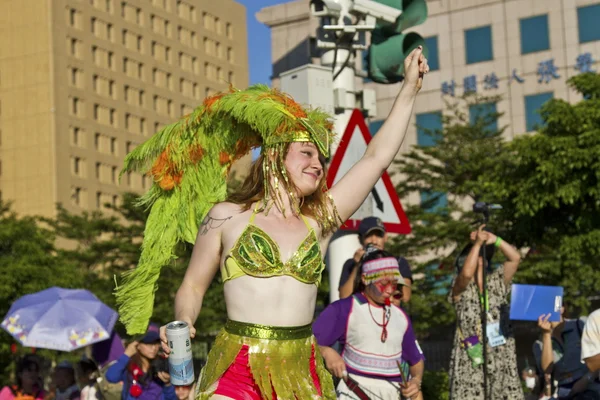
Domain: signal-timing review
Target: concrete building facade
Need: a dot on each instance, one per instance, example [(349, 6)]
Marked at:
[(82, 82), (522, 50)]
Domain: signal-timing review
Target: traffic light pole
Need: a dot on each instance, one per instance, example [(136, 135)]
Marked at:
[(339, 56)]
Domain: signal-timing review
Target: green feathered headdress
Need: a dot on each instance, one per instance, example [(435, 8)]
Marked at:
[(189, 161)]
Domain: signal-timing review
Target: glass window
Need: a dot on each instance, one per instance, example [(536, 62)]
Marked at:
[(483, 111), (587, 19), (429, 127), (431, 44), (533, 103), (478, 44), (534, 34), (374, 126), (433, 201)]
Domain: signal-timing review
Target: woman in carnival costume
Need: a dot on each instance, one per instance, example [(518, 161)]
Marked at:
[(267, 239)]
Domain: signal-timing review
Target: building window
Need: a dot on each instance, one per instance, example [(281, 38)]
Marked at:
[(478, 44), (533, 104), (433, 202), (587, 19), (76, 106), (76, 196), (77, 166), (74, 47), (74, 18), (485, 113), (431, 44), (76, 136), (113, 146), (429, 127), (534, 34), (229, 30)]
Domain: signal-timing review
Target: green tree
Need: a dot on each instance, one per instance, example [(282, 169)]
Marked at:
[(550, 190), (28, 263), (107, 244), (547, 183), (446, 176)]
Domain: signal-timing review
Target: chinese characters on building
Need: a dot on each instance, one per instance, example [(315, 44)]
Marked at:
[(546, 72)]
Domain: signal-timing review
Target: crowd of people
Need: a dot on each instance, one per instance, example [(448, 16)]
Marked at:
[(140, 373)]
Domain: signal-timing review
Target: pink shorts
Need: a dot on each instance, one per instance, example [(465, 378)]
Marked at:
[(237, 381)]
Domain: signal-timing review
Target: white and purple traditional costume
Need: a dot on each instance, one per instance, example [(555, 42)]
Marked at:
[(371, 347)]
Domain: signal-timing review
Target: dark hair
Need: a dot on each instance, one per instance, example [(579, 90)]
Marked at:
[(25, 364), (87, 366), (371, 253), (462, 257)]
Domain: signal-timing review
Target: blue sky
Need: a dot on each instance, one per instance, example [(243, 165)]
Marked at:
[(259, 41)]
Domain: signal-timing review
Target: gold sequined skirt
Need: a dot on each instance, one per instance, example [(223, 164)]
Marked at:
[(278, 357)]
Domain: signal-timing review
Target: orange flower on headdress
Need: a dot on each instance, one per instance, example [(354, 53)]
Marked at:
[(224, 158), (196, 153), (210, 101), (290, 104), (165, 173)]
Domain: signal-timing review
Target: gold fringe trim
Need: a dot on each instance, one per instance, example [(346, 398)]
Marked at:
[(276, 364)]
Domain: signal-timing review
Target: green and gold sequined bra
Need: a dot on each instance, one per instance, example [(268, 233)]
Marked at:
[(257, 255)]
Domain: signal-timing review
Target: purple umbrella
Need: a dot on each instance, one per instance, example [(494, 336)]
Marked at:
[(59, 319)]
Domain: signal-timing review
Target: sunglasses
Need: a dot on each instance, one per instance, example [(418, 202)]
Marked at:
[(397, 295)]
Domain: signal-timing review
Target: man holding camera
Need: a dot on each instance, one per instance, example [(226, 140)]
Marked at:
[(371, 231)]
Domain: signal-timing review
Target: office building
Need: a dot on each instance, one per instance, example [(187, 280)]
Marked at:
[(82, 82)]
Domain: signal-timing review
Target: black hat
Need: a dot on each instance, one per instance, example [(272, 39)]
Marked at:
[(369, 225)]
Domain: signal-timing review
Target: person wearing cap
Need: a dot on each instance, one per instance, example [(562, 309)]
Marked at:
[(376, 336), (134, 368), (371, 231), (65, 383)]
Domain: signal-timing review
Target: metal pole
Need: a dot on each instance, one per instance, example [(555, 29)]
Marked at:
[(340, 59), (484, 314)]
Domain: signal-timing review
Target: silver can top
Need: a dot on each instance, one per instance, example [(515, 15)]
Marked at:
[(177, 325)]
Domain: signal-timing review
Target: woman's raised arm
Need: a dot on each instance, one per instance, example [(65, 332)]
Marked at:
[(354, 187)]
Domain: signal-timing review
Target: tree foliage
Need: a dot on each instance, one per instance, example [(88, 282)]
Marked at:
[(550, 190), (29, 262), (547, 183)]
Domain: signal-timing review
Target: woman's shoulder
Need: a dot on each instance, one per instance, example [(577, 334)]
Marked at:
[(225, 211), (226, 208)]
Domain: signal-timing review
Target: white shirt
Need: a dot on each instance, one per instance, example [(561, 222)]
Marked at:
[(590, 339)]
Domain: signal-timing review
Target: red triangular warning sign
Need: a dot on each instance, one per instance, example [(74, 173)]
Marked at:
[(383, 202)]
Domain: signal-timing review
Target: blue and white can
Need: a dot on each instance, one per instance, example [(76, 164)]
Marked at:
[(181, 365)]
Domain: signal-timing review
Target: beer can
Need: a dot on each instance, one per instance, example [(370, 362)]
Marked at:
[(181, 366)]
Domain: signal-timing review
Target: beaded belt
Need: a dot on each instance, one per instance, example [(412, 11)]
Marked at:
[(268, 332)]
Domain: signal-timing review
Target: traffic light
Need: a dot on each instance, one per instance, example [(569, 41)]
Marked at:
[(390, 44)]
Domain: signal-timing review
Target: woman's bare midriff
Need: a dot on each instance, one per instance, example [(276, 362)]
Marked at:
[(275, 301)]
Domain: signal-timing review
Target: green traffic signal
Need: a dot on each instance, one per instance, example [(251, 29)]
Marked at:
[(386, 57), (390, 45)]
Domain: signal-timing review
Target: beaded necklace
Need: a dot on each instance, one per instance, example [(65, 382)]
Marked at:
[(386, 313)]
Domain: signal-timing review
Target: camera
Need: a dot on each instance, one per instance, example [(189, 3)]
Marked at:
[(376, 10), (160, 364), (325, 8)]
